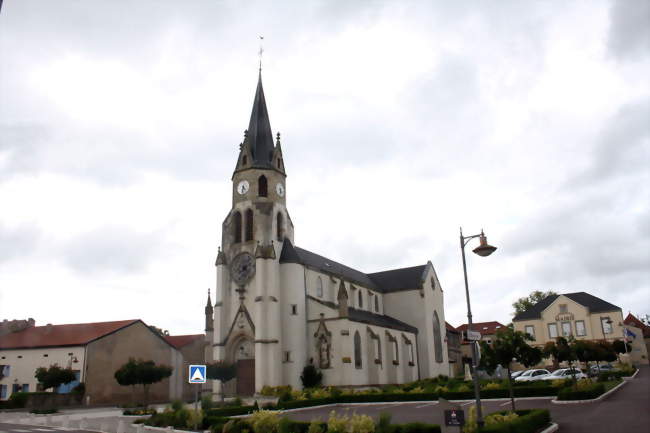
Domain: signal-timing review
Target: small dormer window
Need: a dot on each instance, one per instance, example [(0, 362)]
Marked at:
[(262, 186), (244, 160)]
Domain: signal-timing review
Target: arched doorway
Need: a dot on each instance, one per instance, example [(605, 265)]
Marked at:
[(242, 353)]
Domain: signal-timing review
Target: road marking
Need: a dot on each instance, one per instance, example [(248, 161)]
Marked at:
[(21, 431), (469, 402), (43, 429), (505, 404), (427, 404)]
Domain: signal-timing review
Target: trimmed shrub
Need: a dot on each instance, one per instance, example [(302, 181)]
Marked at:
[(18, 400), (265, 421), (527, 421), (311, 377), (582, 393)]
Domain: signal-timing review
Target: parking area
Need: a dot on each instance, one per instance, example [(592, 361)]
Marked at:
[(624, 411)]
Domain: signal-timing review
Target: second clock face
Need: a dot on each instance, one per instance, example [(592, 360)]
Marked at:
[(243, 187), (242, 268), (279, 188)]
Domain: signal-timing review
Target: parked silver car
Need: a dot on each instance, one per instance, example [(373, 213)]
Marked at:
[(563, 373), (532, 375)]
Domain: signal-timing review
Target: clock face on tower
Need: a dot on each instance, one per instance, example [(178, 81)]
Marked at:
[(242, 268), (242, 187), (279, 188)]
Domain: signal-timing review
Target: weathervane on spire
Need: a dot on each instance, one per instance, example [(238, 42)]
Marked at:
[(261, 51)]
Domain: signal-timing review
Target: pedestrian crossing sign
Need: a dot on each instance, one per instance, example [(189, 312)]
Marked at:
[(197, 374)]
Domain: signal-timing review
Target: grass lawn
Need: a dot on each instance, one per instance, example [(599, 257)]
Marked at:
[(611, 384)]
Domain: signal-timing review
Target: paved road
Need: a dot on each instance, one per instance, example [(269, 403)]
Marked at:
[(627, 410), (20, 428)]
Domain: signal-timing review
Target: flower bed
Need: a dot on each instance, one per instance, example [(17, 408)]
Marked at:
[(582, 391)]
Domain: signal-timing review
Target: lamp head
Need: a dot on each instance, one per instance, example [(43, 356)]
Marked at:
[(484, 249)]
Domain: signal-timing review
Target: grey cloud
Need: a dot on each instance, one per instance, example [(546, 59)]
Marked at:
[(17, 242), (622, 149), (113, 250), (629, 31)]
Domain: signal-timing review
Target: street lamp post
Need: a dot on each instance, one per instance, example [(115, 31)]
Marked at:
[(483, 250)]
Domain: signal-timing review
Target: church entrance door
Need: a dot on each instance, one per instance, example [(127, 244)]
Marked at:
[(246, 377)]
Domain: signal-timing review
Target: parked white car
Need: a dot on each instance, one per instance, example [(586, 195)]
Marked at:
[(532, 375), (516, 374), (563, 373)]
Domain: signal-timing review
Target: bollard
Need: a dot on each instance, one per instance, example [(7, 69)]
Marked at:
[(120, 426), (48, 420), (139, 428), (83, 424), (170, 429), (66, 421)]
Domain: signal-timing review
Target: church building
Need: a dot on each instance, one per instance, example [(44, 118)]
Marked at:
[(279, 307)]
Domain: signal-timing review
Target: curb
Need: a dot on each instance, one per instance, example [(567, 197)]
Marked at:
[(633, 376), (552, 428), (593, 400)]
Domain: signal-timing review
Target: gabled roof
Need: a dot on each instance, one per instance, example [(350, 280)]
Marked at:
[(78, 334), (399, 279), (384, 282), (450, 328), (485, 328), (591, 302), (631, 320), (179, 341), (370, 318)]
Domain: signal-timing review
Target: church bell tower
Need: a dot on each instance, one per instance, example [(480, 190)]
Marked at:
[(247, 310)]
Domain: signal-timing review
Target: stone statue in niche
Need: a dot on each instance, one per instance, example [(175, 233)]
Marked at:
[(323, 352)]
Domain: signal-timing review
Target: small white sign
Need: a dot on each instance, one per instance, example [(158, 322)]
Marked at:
[(197, 374), (473, 336)]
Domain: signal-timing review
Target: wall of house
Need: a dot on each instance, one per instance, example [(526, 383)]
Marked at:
[(24, 362), (107, 354), (193, 353), (638, 355), (575, 312)]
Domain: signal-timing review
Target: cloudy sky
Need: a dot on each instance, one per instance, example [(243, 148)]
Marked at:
[(401, 121)]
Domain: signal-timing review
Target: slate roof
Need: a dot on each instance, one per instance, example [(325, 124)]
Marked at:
[(631, 320), (78, 334), (179, 341), (593, 304), (399, 279), (259, 137), (370, 318), (384, 282)]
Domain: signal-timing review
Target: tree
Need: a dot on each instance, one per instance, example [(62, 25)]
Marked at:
[(522, 304), (311, 377), (222, 371), (619, 347), (145, 373), (509, 345), (550, 350), (54, 376), (126, 375)]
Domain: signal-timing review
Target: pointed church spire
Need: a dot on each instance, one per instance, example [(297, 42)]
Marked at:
[(259, 137)]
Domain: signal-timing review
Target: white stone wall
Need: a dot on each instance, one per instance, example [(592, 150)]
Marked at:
[(24, 363)]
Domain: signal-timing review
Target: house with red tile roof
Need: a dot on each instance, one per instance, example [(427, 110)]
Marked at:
[(487, 330), (94, 351)]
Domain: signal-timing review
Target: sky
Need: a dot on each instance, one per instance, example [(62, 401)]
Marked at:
[(120, 124)]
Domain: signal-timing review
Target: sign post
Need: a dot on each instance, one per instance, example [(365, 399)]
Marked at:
[(454, 416), (197, 375)]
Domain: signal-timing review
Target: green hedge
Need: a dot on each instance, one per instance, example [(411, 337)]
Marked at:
[(570, 393), (605, 376), (231, 411), (290, 426), (529, 391), (529, 421)]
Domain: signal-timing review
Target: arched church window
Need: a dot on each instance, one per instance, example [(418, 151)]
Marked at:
[(249, 225), (280, 226), (360, 299), (262, 186), (357, 350), (319, 287), (237, 227), (437, 339), (377, 303)]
